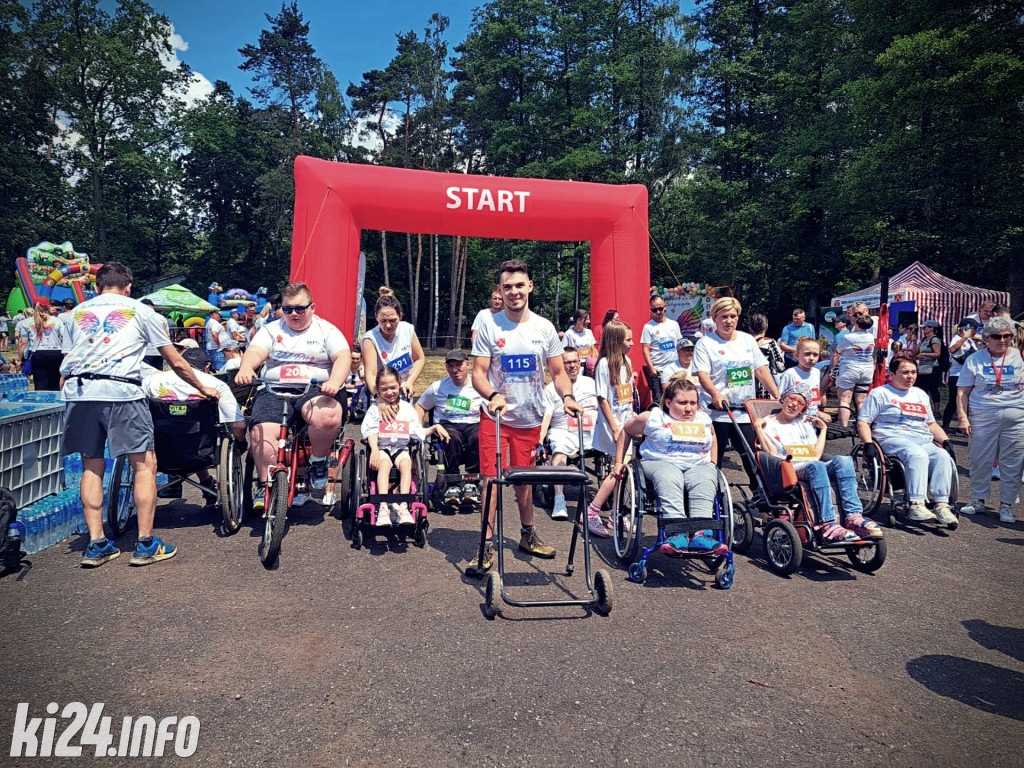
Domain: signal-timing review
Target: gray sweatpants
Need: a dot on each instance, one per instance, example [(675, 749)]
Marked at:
[(1001, 429), (670, 483)]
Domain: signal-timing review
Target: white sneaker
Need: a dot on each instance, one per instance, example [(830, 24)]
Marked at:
[(977, 506), (404, 515), (944, 514), (452, 496), (328, 499), (1006, 514), (383, 516), (559, 512), (919, 513)]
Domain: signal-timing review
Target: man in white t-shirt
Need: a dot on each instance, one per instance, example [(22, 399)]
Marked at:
[(511, 351), (167, 386), (103, 351), (214, 338), (562, 430), (497, 304), (658, 341), (297, 349), (456, 407)]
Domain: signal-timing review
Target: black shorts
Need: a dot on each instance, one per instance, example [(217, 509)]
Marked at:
[(266, 406)]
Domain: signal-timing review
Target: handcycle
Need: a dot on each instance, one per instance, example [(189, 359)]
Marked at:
[(286, 476), (187, 439)]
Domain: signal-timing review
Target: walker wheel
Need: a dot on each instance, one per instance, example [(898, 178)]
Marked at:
[(603, 588), (638, 573), (492, 593)]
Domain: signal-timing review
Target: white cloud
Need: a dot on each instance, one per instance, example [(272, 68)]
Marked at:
[(199, 87)]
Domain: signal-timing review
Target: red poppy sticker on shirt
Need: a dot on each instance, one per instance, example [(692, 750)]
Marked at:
[(501, 343), (280, 339), (721, 351), (384, 355)]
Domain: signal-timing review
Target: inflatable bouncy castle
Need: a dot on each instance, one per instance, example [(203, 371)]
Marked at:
[(50, 272)]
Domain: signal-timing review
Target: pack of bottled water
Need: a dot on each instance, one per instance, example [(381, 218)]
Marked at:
[(12, 384), (49, 520)]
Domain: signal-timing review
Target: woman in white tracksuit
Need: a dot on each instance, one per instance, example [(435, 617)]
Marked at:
[(990, 391)]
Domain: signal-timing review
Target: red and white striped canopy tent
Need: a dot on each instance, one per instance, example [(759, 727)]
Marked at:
[(937, 297)]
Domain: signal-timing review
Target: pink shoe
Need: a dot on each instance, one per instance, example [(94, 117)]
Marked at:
[(866, 529), (597, 526), (834, 533)]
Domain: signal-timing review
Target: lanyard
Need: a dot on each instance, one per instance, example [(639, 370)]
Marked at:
[(999, 373)]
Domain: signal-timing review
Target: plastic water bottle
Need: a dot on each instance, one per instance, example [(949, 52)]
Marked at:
[(16, 534), (32, 523)]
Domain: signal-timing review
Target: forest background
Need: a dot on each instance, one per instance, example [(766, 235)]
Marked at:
[(795, 150)]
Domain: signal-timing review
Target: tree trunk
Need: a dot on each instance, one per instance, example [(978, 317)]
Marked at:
[(462, 293), (412, 283), (435, 305), (414, 289), (384, 256), (453, 294)]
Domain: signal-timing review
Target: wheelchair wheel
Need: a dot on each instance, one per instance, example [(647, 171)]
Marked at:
[(870, 472), (492, 593), (357, 491), (603, 588), (869, 557), (742, 528), (627, 515), (277, 516), (422, 485), (782, 548), (229, 480), (120, 496)]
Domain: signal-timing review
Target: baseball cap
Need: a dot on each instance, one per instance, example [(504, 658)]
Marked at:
[(968, 321), (196, 357), (684, 344), (215, 312), (455, 356), (187, 344), (844, 318), (930, 324)]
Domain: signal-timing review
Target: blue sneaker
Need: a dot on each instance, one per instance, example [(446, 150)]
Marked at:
[(703, 541), (317, 475), (675, 546), (155, 552), (96, 555)]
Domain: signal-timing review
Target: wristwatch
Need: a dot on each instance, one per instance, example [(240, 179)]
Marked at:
[(492, 395), (567, 394)]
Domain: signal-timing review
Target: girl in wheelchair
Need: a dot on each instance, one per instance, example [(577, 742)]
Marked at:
[(389, 443), (791, 433), (679, 454)]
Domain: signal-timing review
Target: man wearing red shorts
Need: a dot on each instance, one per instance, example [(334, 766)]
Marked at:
[(510, 353)]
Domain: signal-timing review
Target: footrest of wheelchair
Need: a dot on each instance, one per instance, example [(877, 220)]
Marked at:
[(543, 475), (391, 498), (839, 432), (692, 526)]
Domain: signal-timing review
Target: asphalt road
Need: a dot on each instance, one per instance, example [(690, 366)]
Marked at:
[(383, 656)]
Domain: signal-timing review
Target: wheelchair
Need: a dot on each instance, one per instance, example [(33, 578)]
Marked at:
[(443, 478), (188, 438), (790, 524), (634, 498), (361, 518), (884, 478)]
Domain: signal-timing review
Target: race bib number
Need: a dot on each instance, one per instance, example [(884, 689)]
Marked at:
[(519, 364), (403, 363), (292, 374), (394, 429), (683, 432), (586, 352), (588, 421), (913, 410), (740, 377), (456, 404), (805, 452), (667, 346), (624, 393)]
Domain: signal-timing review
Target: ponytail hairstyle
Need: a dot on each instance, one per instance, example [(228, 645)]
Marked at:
[(386, 298), (679, 382), (612, 342)]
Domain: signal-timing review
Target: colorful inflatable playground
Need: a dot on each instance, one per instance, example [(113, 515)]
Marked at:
[(52, 273)]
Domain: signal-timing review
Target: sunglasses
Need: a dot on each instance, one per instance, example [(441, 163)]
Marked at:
[(299, 309), (1001, 336), (657, 309)]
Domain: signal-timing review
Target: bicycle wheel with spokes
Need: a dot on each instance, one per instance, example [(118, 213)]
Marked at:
[(120, 496), (229, 480), (627, 510), (277, 516)]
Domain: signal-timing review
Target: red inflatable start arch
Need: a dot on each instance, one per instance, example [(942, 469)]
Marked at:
[(334, 202)]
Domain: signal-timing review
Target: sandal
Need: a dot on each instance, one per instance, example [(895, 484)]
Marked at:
[(863, 527), (834, 533)]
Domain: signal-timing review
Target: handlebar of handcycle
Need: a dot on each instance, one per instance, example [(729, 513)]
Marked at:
[(289, 391)]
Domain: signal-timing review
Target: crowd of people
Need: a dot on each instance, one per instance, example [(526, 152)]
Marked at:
[(104, 355)]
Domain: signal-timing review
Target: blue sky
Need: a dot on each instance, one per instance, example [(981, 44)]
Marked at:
[(351, 38)]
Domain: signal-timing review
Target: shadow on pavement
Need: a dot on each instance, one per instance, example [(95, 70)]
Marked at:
[(1008, 640), (974, 683)]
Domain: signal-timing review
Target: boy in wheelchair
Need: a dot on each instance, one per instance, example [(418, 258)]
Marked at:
[(790, 433), (679, 454), (389, 443), (167, 387)]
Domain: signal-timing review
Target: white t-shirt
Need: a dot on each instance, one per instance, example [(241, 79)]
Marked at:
[(4, 320), (584, 342), (481, 317), (856, 350), (519, 353), (893, 413), (619, 397), (227, 341), (980, 370), (450, 402), (24, 330), (398, 352), (231, 365), (811, 378), (662, 338), (214, 335), (298, 357), (49, 341), (731, 365), (108, 335), (686, 444), (397, 434), (584, 391), (151, 351), (167, 386), (797, 439), (968, 348)]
